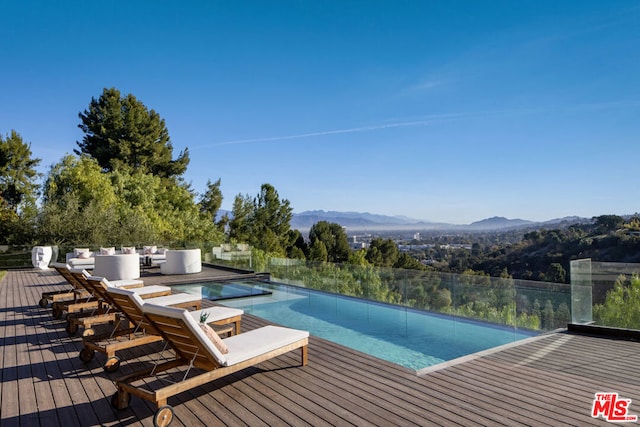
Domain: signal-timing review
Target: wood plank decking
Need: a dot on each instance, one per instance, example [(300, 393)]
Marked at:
[(545, 381)]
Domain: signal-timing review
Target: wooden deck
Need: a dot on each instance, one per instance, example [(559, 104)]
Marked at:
[(545, 381)]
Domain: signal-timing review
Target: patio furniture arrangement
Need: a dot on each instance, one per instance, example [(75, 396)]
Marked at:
[(194, 348), (199, 353), (182, 261), (85, 257)]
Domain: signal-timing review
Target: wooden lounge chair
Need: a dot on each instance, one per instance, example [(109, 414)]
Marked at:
[(194, 349), (105, 314), (61, 295), (131, 328), (83, 300), (61, 301)]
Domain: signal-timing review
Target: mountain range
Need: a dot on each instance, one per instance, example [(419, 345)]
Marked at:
[(368, 221)]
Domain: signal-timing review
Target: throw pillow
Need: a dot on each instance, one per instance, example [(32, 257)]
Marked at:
[(84, 255), (128, 250), (215, 339), (150, 250), (108, 251), (77, 251)]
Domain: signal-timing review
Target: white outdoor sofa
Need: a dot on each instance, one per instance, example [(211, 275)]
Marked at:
[(85, 258)]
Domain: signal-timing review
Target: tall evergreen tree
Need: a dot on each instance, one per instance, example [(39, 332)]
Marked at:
[(17, 171), (211, 200), (264, 222), (334, 238), (271, 221), (121, 133), (240, 223)]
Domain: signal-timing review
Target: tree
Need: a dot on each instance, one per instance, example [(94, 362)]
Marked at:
[(382, 252), (334, 238), (621, 308), (406, 261), (82, 177), (211, 200), (119, 207), (121, 133), (17, 173), (556, 273), (210, 203), (270, 221), (607, 223), (318, 251), (263, 222), (296, 246), (240, 223)]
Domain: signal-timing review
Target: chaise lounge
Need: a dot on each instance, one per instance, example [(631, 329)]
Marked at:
[(195, 349), (107, 314), (132, 329)]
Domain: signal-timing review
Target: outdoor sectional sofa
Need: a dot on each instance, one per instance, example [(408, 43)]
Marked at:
[(85, 258)]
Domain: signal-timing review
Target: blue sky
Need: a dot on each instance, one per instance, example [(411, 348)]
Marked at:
[(448, 111)]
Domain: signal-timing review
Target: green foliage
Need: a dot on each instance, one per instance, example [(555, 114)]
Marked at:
[(17, 173), (382, 252), (122, 134), (211, 201), (318, 251), (82, 204), (297, 248), (406, 261), (358, 257), (540, 254), (263, 222), (334, 239), (608, 223), (622, 305)]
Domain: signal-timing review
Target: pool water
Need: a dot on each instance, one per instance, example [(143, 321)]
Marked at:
[(407, 337), (217, 291)]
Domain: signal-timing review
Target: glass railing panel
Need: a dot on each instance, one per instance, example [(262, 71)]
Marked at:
[(542, 305)]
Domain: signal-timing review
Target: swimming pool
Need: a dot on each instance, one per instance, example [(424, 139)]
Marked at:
[(407, 337), (217, 291)]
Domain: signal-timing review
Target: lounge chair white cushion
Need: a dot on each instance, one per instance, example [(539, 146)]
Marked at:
[(242, 346), (142, 291), (124, 283), (114, 283), (137, 300), (153, 289), (259, 341), (179, 298)]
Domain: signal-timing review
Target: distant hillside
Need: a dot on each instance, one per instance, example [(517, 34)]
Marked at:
[(374, 222), (367, 221), (353, 220), (498, 222)]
